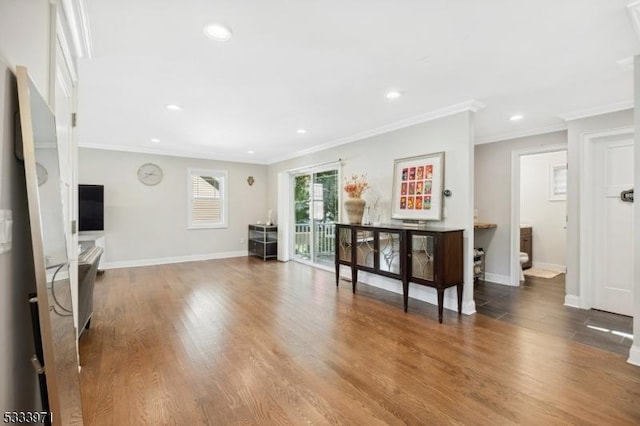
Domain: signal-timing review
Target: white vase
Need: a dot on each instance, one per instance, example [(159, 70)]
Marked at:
[(355, 209)]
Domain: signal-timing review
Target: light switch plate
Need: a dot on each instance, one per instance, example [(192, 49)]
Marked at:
[(6, 230)]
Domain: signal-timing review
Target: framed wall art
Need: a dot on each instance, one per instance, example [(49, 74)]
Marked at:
[(418, 183)]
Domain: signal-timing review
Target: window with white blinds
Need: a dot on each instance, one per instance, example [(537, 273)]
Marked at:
[(207, 198)]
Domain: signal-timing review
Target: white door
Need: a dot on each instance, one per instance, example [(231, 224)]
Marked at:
[(67, 152), (613, 238)]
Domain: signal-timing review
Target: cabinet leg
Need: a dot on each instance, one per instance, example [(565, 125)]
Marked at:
[(405, 294), (460, 286), (354, 278), (337, 275), (440, 304)]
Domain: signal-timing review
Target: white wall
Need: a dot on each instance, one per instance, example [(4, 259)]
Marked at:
[(547, 217), (148, 224), (493, 198), (375, 156), (24, 40)]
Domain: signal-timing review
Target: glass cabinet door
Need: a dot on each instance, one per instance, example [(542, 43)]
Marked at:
[(389, 252), (422, 256), (365, 254), (344, 244)]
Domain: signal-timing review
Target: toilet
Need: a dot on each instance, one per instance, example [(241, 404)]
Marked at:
[(524, 258)]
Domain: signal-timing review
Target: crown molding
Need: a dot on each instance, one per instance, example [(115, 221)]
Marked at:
[(470, 105), (599, 110), (201, 155), (521, 134), (75, 12), (634, 13)]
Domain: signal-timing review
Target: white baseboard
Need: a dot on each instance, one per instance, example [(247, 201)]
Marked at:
[(419, 292), (572, 301), (497, 278), (468, 307), (176, 259), (634, 355), (550, 267)]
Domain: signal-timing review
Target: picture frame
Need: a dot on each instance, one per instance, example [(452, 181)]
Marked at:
[(418, 183)]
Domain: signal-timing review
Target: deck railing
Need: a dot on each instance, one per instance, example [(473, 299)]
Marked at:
[(324, 241)]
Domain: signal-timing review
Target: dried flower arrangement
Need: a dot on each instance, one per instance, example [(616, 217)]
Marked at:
[(356, 185)]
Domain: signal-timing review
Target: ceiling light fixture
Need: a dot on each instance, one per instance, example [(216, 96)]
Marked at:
[(155, 140), (393, 94), (218, 32), (251, 152), (174, 107), (516, 117), (301, 131)]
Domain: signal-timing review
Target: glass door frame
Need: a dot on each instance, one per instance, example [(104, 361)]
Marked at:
[(311, 170)]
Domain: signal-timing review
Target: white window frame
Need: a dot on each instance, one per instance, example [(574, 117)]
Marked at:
[(558, 182), (223, 176)]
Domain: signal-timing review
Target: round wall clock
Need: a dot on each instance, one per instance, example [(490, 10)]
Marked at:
[(150, 174), (42, 174)]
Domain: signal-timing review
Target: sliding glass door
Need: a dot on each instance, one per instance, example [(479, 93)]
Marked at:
[(315, 200)]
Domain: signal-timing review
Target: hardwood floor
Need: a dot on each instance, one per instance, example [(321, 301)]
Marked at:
[(539, 304), (242, 341)]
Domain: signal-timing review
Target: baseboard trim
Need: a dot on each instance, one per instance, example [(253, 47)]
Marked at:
[(175, 259), (550, 267), (498, 279), (634, 355), (418, 292), (468, 307), (572, 301)]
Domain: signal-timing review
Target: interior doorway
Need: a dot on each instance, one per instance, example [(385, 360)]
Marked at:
[(543, 214), (315, 205), (540, 182)]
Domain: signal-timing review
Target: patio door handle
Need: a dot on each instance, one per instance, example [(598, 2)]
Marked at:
[(627, 196)]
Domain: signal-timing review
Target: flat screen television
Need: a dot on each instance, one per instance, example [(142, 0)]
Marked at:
[(91, 207)]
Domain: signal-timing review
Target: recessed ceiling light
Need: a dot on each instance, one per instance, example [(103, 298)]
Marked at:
[(301, 131), (516, 117), (218, 32), (251, 152), (393, 94), (155, 140), (174, 107)]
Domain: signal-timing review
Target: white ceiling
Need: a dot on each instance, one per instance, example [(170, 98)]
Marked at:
[(325, 66)]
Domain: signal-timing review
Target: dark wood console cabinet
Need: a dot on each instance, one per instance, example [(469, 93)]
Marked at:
[(526, 245), (429, 257)]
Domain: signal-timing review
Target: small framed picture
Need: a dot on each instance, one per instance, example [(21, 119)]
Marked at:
[(418, 183)]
